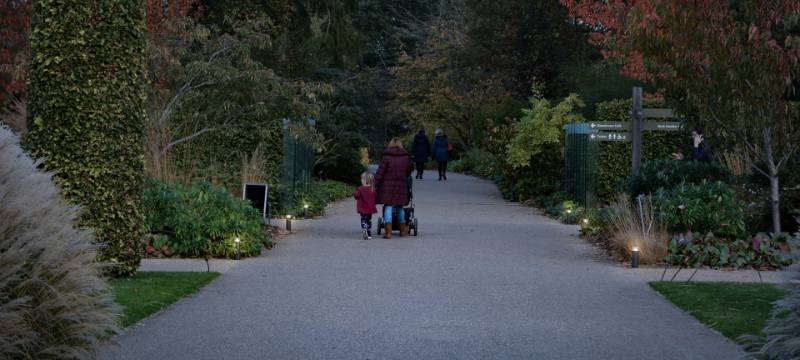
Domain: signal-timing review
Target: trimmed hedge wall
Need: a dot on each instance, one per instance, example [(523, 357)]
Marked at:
[(87, 105), (224, 150), (614, 159)]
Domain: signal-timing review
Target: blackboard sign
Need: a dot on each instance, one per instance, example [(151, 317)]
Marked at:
[(257, 195)]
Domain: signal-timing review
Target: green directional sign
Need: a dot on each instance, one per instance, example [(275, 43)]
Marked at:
[(661, 125), (610, 125), (609, 136)]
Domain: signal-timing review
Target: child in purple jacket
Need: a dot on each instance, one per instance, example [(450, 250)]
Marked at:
[(365, 203)]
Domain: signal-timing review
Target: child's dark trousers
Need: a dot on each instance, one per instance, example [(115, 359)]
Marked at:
[(366, 223)]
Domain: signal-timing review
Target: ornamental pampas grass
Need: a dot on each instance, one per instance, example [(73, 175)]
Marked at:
[(53, 303), (780, 338)]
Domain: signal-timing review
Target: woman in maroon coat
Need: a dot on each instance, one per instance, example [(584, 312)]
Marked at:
[(391, 184)]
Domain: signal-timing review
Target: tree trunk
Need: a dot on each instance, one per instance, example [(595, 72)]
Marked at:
[(774, 199), (774, 185)]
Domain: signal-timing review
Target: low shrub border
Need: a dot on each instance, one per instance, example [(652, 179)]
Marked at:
[(200, 220), (320, 193)]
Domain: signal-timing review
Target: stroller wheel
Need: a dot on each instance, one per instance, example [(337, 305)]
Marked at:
[(416, 227), (380, 225)]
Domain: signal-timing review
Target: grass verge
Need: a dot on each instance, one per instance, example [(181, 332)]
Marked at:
[(733, 309), (148, 292)]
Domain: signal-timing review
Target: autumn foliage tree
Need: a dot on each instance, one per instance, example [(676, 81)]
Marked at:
[(732, 66), (15, 17)]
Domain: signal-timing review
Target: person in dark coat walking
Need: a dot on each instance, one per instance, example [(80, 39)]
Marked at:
[(441, 152), (421, 151), (391, 184)]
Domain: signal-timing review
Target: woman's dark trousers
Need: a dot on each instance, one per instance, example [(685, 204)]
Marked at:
[(420, 169), (442, 170)]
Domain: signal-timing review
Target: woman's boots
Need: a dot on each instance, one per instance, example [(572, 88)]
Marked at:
[(387, 230)]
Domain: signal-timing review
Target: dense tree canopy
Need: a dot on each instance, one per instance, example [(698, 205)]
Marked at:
[(733, 65)]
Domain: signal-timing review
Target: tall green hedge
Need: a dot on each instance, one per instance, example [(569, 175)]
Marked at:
[(217, 156), (614, 160), (86, 103)]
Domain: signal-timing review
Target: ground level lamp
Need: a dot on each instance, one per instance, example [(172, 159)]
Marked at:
[(238, 241), (635, 257), (288, 223), (305, 211)]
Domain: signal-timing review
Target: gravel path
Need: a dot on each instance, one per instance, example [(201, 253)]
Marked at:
[(485, 279)]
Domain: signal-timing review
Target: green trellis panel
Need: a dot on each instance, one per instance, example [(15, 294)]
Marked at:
[(298, 168), (580, 156)]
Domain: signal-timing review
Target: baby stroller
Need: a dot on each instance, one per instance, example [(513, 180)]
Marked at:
[(411, 221)]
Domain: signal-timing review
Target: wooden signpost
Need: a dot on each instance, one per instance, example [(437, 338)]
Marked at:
[(636, 127), (632, 130)]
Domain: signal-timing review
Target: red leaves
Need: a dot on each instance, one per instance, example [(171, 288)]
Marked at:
[(158, 12), (15, 18)]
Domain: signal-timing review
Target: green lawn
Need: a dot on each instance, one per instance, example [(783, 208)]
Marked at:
[(147, 292), (734, 309)]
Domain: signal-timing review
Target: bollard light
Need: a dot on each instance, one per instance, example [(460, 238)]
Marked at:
[(289, 223), (586, 221), (238, 249), (569, 211), (635, 257), (305, 211)]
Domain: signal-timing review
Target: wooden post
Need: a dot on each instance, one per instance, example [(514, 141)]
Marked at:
[(636, 129)]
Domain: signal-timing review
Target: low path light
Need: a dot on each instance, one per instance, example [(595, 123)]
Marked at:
[(305, 211), (635, 257), (238, 249), (289, 223)]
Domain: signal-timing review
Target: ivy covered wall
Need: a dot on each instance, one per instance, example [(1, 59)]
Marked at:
[(86, 109)]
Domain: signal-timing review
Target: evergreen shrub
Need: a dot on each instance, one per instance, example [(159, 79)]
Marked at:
[(86, 108), (343, 162), (320, 193), (705, 207), (200, 220), (666, 174)]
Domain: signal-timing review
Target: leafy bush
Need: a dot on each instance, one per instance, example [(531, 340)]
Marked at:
[(320, 193), (200, 220), (540, 181), (542, 124), (86, 110), (614, 158), (53, 303), (477, 162), (760, 252), (343, 161), (702, 208), (598, 221), (658, 174)]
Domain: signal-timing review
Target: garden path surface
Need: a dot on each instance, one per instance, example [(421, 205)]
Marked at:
[(485, 279)]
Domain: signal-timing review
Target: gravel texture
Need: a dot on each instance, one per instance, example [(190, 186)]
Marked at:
[(484, 279)]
